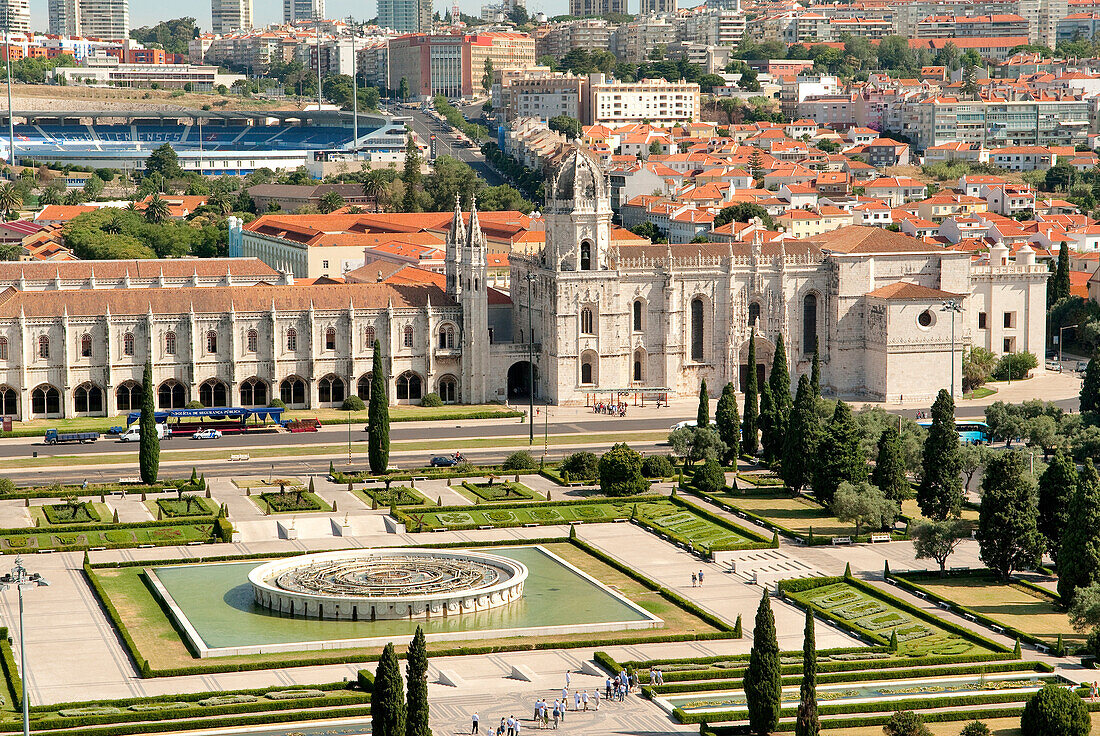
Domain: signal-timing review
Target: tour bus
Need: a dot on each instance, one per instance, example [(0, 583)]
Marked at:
[(971, 431)]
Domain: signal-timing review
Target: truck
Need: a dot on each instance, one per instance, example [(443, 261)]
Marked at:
[(53, 437), (133, 433)]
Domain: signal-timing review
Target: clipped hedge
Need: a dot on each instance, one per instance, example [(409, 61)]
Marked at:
[(404, 517), (11, 671)]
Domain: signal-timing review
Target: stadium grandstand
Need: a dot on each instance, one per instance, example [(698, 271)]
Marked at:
[(213, 142)]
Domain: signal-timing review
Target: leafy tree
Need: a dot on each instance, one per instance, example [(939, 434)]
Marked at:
[(1015, 365), (649, 230), (1079, 551), (749, 434), (1060, 177), (762, 683), (568, 126), (1057, 485), (697, 443), (378, 415), (936, 540), (157, 209), (581, 466), (709, 478), (839, 455), (940, 492), (165, 162), (800, 444), (807, 723), (1090, 387), (977, 366), (1058, 282), (889, 472), (148, 442), (702, 417), (411, 175), (975, 728), (1085, 612), (905, 723), (862, 504), (728, 420), (972, 458), (1055, 711), (1007, 534), (403, 88), (743, 212), (388, 710), (487, 76), (621, 472), (416, 677), (815, 373), (93, 187), (171, 35)]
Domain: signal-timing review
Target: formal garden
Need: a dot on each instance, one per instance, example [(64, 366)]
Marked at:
[(495, 490), (295, 500)]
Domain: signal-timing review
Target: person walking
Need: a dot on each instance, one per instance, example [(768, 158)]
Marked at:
[(576, 700), (473, 725), (694, 580), (567, 678), (700, 578), (584, 699), (596, 697), (607, 689)]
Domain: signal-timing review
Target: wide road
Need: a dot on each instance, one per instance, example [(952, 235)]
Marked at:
[(424, 125)]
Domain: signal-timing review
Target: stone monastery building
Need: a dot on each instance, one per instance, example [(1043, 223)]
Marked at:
[(597, 316)]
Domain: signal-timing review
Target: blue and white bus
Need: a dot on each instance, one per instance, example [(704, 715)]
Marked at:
[(971, 431)]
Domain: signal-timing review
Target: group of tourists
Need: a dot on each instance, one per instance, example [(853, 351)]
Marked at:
[(546, 715), (697, 579), (609, 408)]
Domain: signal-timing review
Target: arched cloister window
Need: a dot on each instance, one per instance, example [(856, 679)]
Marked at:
[(44, 347), (211, 342), (809, 324), (409, 387), (9, 401), (331, 389), (253, 392), (45, 400), (447, 336), (251, 340), (213, 393), (638, 307), (128, 344), (330, 338), (85, 345), (128, 396), (291, 340), (362, 386), (3, 348), (588, 321), (88, 399), (638, 374), (169, 343), (171, 395), (292, 390), (408, 332), (369, 336), (697, 330), (447, 389)]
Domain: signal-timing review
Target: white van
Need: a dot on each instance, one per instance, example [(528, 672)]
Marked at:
[(133, 433)]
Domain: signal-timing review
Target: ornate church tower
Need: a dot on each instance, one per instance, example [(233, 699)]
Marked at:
[(578, 215), (466, 271)]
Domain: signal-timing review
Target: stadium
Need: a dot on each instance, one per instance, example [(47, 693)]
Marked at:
[(210, 142)]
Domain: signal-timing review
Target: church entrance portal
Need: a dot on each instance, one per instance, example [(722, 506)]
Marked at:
[(519, 381)]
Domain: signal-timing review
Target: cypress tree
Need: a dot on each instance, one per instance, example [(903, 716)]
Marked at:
[(378, 415), (1079, 556), (766, 423), (729, 423), (807, 723), (749, 439), (702, 418), (416, 677), (800, 443), (1058, 283), (815, 373), (387, 703), (1008, 537), (1090, 387), (1056, 487), (889, 473), (149, 443), (780, 380), (940, 493), (839, 455), (762, 677)]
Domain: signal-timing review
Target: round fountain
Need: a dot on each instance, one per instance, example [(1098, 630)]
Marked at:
[(387, 584)]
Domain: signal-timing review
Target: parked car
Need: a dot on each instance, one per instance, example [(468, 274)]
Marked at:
[(1054, 365), (690, 424), (1082, 366), (444, 461), (207, 434)]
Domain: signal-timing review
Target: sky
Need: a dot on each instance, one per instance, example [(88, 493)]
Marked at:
[(151, 12)]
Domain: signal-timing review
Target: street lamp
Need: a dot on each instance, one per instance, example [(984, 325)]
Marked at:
[(1061, 341), (530, 358), (953, 306), (20, 578)]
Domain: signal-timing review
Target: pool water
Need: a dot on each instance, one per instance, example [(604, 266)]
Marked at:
[(704, 702)]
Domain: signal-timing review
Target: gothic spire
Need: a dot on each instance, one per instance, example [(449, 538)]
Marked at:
[(475, 226), (458, 234)]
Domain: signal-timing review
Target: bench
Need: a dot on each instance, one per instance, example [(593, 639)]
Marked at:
[(997, 628), (238, 457), (192, 544), (486, 526), (970, 617), (97, 549), (842, 540), (1042, 648), (529, 525), (880, 538), (620, 520), (144, 546), (44, 551), (944, 605)]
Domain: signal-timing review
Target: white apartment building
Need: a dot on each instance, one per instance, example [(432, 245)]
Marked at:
[(299, 10), (64, 17), (656, 100), (585, 33), (230, 15), (18, 15), (633, 41), (712, 27), (103, 18), (540, 94)]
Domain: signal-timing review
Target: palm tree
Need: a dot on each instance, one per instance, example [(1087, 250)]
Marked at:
[(49, 195), (374, 186), (220, 202), (73, 197), (10, 198), (156, 209)]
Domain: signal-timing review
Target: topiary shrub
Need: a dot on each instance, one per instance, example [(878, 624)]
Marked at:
[(6, 486), (657, 466), (905, 723), (1055, 711), (276, 404), (519, 460), (193, 405), (709, 478), (581, 466), (353, 403), (621, 472), (975, 728), (431, 399)]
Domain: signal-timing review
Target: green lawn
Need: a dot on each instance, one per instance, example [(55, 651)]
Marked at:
[(290, 502), (60, 514), (171, 508), (799, 514), (1012, 605), (853, 608), (395, 496), (912, 510), (497, 491), (107, 537)]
